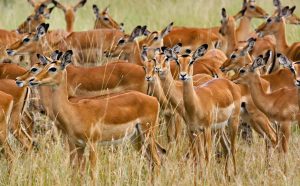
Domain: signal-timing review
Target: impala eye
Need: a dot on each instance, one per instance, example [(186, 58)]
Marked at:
[(242, 71), (105, 19), (252, 7), (26, 40), (33, 70), (233, 56), (269, 20), (122, 41), (52, 69)]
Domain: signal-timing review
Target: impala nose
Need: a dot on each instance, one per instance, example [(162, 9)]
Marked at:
[(19, 83), (297, 83), (10, 52), (183, 76), (148, 78)]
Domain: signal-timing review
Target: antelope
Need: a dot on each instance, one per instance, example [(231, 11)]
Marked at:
[(87, 45), (228, 31), (10, 71), (190, 38), (6, 105), (277, 78), (104, 20), (88, 122), (292, 19), (69, 12), (275, 25), (21, 98), (280, 105), (38, 17), (127, 48), (249, 11)]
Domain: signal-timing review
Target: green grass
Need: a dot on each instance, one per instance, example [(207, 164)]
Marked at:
[(122, 165)]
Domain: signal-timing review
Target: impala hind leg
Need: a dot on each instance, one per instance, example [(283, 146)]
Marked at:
[(233, 125), (226, 149), (285, 136), (93, 161), (18, 132), (4, 143), (208, 145), (174, 126)]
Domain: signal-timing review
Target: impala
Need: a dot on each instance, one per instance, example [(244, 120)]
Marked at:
[(6, 105), (280, 105), (227, 30), (69, 12), (88, 122), (275, 25), (10, 71), (104, 20), (87, 45), (127, 48), (21, 99), (292, 19)]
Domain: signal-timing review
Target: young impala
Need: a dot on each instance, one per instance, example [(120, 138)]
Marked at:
[(131, 115), (104, 20), (69, 12)]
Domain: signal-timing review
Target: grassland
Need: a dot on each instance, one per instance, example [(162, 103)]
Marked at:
[(122, 165)]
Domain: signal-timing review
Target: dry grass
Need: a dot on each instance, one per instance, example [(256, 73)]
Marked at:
[(122, 165)]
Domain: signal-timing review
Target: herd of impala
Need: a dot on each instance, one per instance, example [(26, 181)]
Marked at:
[(206, 78)]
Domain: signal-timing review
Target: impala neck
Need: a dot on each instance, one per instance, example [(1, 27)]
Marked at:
[(231, 41), (135, 55), (243, 31), (156, 90), (190, 99), (173, 92), (260, 98), (281, 41), (60, 103)]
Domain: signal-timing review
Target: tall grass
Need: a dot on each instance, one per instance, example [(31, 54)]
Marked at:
[(122, 165)]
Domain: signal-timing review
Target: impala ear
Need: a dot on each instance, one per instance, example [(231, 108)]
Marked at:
[(166, 30), (96, 11), (144, 31), (224, 14), (176, 49), (277, 3), (251, 42), (284, 61), (244, 4), (200, 51), (291, 11), (144, 54), (170, 54), (66, 59), (79, 4), (44, 61), (106, 10), (59, 5), (137, 31), (56, 55), (41, 30), (258, 62), (40, 10)]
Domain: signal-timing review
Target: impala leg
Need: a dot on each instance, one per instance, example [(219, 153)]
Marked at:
[(81, 159), (28, 122), (93, 161), (285, 136), (226, 148), (72, 150), (178, 126), (3, 142), (170, 121), (18, 132), (208, 145), (234, 122)]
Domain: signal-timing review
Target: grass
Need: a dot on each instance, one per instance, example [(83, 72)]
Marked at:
[(122, 165)]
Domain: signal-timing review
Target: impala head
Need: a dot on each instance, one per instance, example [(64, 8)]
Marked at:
[(239, 57), (29, 43), (154, 40), (52, 73), (36, 5), (292, 19), (186, 61), (104, 20), (245, 73), (36, 68), (285, 62), (126, 45), (70, 12), (251, 10), (149, 66), (34, 20), (274, 24), (227, 23), (163, 57)]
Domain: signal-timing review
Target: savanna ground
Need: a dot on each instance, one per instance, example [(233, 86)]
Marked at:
[(122, 165)]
